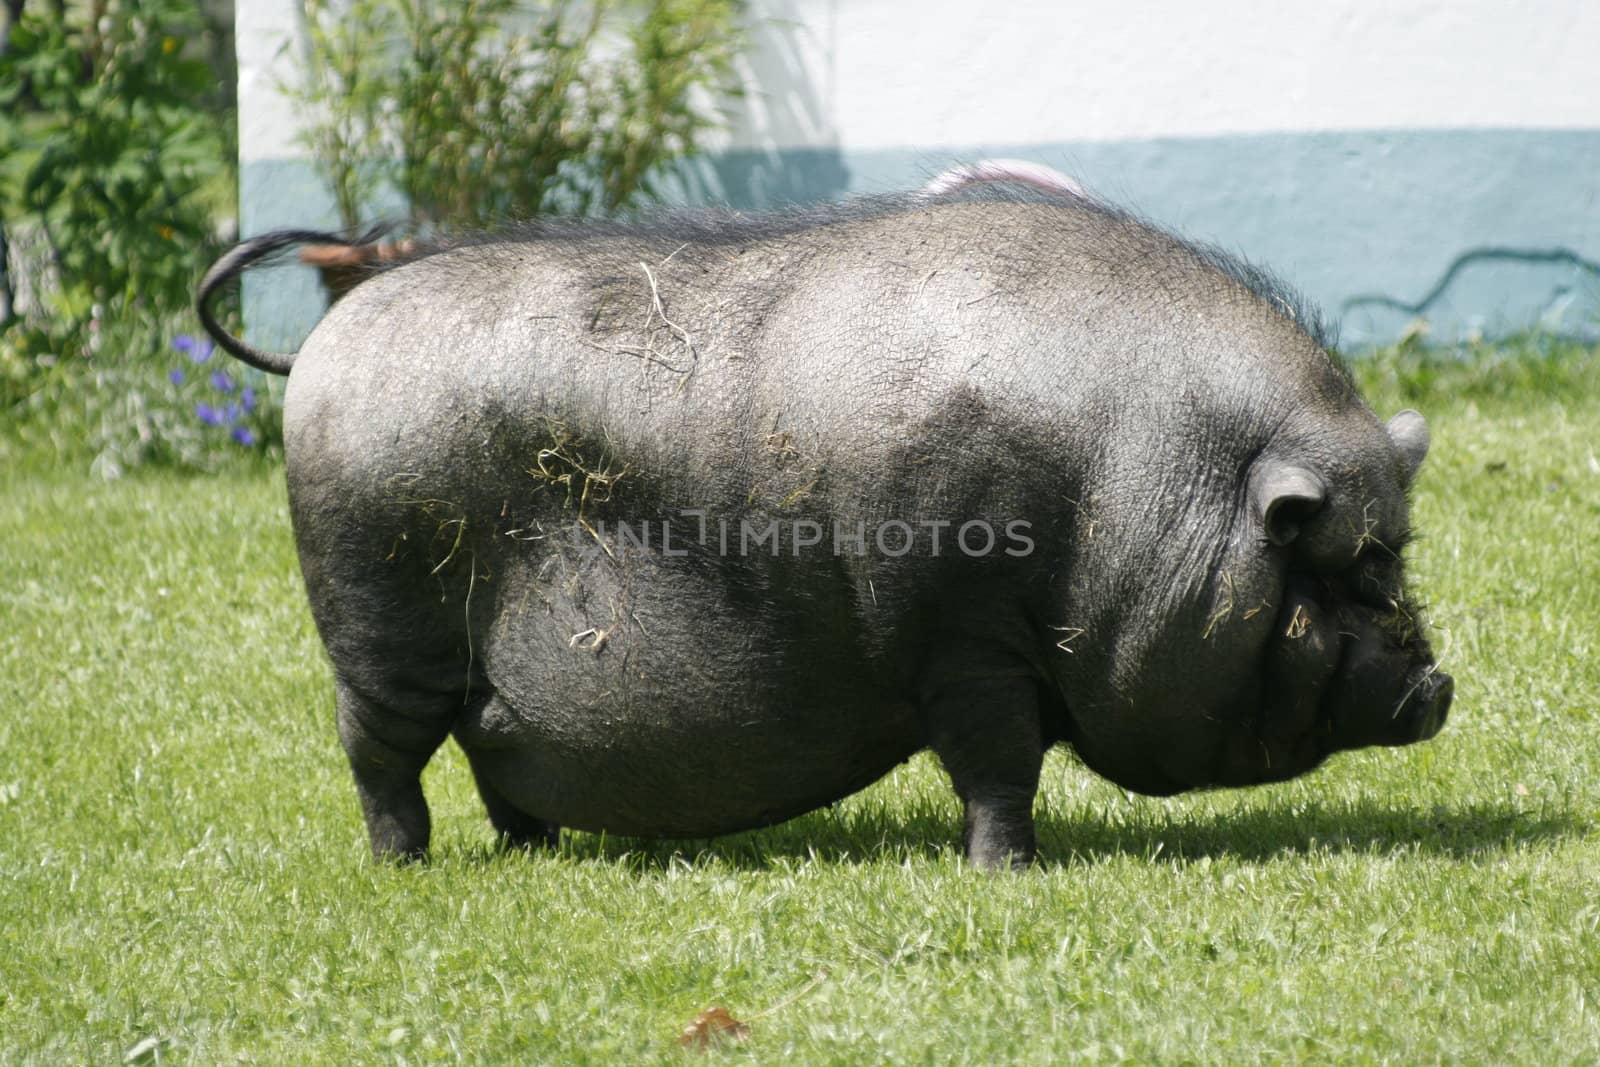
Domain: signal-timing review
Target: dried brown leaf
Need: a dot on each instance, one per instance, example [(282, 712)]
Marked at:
[(712, 1025)]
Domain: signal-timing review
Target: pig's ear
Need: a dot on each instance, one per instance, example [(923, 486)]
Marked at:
[(1284, 496), (1409, 432)]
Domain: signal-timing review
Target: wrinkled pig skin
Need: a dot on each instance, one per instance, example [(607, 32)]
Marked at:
[(1212, 594)]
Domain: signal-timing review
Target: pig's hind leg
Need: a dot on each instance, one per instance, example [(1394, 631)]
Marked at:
[(516, 828), (388, 746)]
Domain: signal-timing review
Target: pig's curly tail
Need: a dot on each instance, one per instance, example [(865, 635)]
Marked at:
[(252, 253)]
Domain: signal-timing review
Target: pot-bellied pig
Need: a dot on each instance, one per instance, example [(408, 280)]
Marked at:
[(694, 525)]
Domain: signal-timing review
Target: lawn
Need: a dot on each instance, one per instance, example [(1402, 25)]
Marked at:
[(184, 877)]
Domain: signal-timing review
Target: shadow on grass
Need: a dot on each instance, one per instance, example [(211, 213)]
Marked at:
[(878, 835), (1267, 833)]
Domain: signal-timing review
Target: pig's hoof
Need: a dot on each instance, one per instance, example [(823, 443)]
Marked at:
[(1001, 859), (999, 833), (517, 830), (539, 835), (996, 851), (400, 856), (400, 836)]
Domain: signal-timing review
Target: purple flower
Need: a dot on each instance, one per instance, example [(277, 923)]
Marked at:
[(208, 414), (199, 349), (247, 398), (243, 436), (221, 382), (230, 414), (176, 377)]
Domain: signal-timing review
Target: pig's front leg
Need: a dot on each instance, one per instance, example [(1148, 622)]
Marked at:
[(986, 732)]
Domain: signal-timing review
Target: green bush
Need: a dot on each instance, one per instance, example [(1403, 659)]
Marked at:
[(111, 148), (489, 110), (115, 137)]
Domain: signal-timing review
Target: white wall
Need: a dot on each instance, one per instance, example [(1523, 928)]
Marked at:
[(901, 73)]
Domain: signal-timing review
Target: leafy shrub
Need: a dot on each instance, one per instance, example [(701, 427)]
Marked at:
[(110, 150), (486, 110), (114, 139)]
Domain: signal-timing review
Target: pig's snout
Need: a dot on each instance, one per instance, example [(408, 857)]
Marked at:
[(1371, 688), (1379, 702), (1423, 712)]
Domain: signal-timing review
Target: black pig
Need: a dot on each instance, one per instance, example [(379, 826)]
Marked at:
[(696, 525)]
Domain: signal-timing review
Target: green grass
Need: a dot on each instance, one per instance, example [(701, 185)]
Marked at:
[(183, 870)]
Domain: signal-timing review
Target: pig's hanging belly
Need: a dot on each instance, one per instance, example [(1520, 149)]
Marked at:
[(650, 703)]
